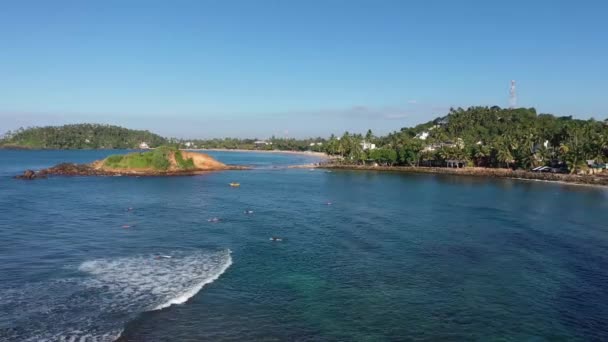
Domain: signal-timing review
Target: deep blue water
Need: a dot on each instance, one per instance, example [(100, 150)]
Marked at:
[(394, 257)]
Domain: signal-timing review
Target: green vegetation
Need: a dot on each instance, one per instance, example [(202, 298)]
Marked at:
[(184, 164), (157, 159), (485, 137), (80, 136), (478, 136)]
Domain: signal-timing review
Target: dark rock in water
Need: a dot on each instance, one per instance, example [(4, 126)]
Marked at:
[(27, 174), (68, 169)]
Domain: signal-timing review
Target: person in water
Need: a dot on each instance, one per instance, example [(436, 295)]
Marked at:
[(274, 238)]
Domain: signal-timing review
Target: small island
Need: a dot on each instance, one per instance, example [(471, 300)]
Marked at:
[(162, 161)]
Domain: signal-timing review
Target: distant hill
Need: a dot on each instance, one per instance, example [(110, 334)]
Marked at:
[(80, 136)]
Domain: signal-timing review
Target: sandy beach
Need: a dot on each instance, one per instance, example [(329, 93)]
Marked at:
[(306, 153)]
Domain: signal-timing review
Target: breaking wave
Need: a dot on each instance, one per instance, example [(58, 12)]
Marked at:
[(113, 291)]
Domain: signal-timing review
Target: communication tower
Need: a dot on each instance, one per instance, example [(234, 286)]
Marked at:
[(512, 95)]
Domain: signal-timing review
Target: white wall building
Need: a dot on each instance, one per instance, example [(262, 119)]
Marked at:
[(422, 136), (367, 145)]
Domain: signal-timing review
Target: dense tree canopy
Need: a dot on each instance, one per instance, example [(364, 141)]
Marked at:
[(488, 137), (477, 136), (80, 136)]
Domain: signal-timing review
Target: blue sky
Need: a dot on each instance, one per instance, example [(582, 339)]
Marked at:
[(296, 68)]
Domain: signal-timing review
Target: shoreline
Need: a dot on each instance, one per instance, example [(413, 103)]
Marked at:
[(306, 153), (71, 169), (321, 155), (566, 179)]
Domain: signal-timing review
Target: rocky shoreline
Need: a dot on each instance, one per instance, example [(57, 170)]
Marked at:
[(162, 162), (594, 180), (70, 169)]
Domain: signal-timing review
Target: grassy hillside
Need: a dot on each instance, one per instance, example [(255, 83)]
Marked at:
[(158, 159), (80, 136)]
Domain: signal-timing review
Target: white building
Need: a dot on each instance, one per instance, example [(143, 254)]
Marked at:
[(367, 145), (422, 136), (143, 145), (262, 143)]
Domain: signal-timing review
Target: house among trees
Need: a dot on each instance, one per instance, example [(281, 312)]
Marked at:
[(143, 145), (459, 143), (595, 167), (513, 138), (367, 145), (422, 135), (455, 163)]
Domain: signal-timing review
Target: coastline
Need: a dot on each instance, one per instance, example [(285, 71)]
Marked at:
[(306, 153), (584, 180)]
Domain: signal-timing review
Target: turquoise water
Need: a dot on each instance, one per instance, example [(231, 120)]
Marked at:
[(393, 257)]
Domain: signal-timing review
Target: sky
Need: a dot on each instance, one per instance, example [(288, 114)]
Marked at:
[(203, 69)]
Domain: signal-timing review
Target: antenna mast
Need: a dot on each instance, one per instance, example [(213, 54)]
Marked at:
[(512, 95)]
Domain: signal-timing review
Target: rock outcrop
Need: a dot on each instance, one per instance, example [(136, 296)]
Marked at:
[(29, 174), (201, 163)]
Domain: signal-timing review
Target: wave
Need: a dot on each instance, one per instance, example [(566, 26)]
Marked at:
[(158, 283), (182, 298), (112, 292)]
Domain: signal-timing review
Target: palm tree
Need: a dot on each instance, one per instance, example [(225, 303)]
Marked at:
[(504, 154)]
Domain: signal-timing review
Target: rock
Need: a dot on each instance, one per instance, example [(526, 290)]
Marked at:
[(27, 174), (202, 163)]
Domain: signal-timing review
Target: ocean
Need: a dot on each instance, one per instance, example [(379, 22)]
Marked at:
[(362, 256)]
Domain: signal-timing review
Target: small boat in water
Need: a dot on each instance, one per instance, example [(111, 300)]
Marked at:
[(235, 185)]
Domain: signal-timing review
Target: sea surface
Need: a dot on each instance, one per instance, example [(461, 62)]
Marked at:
[(364, 256)]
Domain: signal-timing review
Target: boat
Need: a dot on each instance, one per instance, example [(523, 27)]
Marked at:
[(235, 185)]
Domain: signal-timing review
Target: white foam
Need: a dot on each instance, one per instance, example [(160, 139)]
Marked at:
[(195, 289), (114, 291), (151, 283)]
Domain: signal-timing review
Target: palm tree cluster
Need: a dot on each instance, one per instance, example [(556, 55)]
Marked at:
[(485, 137)]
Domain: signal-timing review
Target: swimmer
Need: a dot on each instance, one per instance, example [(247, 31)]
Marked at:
[(274, 238), (248, 212)]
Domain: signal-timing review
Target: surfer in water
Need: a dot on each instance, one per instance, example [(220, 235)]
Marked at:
[(274, 238), (248, 212)]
